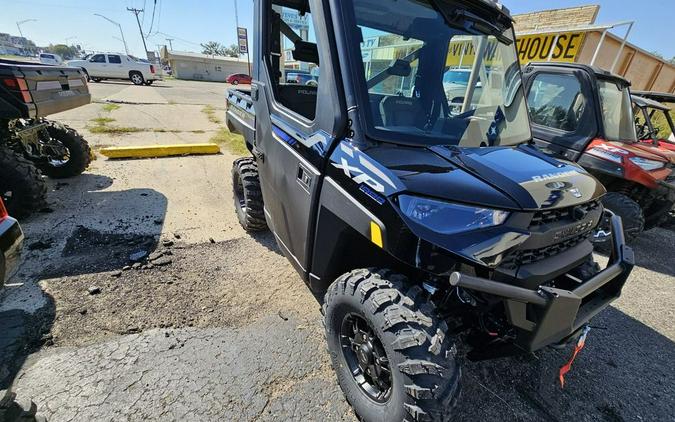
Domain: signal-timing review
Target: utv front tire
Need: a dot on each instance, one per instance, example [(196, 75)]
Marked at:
[(397, 361), (248, 200), (632, 218), (22, 187), (77, 154)]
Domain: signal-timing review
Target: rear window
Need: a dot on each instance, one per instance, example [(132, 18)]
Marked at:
[(46, 56), (617, 112), (114, 59)]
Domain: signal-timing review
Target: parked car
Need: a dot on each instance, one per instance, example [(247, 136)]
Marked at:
[(584, 114), (238, 78), (11, 238), (301, 78), (104, 66), (50, 58), (31, 145), (455, 84)]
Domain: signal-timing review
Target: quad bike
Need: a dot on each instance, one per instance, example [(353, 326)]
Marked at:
[(31, 145)]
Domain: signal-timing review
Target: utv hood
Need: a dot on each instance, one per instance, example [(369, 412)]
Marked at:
[(504, 177)]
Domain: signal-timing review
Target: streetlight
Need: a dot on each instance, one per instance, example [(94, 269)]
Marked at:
[(126, 49), (19, 23)]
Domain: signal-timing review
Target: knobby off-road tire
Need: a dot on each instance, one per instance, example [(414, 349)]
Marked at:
[(631, 214), (21, 184), (248, 199), (79, 153), (13, 410), (425, 377)]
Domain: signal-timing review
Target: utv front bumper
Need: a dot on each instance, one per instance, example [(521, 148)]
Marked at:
[(550, 315)]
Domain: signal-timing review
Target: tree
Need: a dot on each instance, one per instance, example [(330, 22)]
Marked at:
[(232, 50), (213, 48), (66, 52)]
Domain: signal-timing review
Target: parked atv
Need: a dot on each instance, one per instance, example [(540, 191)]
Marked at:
[(420, 224), (30, 145), (584, 114)]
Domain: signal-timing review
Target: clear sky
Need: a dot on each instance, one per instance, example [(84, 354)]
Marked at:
[(191, 22)]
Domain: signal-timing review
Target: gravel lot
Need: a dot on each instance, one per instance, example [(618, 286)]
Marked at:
[(216, 325)]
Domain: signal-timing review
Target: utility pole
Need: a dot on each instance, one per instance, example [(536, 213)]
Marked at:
[(236, 20), (136, 12), (170, 43)]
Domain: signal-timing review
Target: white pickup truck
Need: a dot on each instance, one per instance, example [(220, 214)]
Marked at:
[(102, 66)]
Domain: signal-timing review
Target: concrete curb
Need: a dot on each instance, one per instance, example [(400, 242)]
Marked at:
[(152, 151)]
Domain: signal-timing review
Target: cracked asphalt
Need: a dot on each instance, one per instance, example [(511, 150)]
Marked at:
[(227, 330)]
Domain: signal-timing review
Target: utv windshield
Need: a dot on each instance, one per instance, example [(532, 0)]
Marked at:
[(437, 73), (617, 111)]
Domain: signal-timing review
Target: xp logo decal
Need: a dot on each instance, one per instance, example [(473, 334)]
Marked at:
[(358, 167), (565, 187)]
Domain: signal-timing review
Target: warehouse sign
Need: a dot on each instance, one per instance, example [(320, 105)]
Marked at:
[(537, 48)]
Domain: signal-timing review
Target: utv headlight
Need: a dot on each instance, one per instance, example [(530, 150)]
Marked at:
[(447, 218), (647, 165)]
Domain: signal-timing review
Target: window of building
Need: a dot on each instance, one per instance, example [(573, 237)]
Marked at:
[(114, 59), (557, 101), (98, 58), (293, 49), (219, 69)]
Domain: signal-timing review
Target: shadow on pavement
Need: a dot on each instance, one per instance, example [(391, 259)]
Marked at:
[(654, 251), (622, 374)]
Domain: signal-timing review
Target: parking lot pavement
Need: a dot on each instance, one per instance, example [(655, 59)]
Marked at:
[(216, 325)]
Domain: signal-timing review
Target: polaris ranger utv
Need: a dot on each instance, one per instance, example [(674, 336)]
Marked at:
[(650, 113), (31, 145), (584, 114), (421, 225)]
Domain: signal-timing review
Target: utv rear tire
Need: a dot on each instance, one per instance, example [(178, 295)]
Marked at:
[(418, 349), (248, 199), (79, 153), (22, 187), (631, 214)]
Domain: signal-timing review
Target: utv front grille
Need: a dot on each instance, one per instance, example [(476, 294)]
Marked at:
[(546, 217), (531, 256)]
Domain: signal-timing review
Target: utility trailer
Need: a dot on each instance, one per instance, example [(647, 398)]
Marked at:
[(420, 221)]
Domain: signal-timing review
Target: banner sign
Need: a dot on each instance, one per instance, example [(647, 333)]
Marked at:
[(242, 36), (537, 48)]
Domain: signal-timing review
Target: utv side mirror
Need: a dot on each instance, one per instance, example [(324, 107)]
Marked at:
[(400, 68)]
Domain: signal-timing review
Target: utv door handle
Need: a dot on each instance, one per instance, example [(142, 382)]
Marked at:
[(304, 178)]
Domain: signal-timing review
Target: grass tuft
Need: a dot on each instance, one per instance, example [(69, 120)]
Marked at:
[(233, 142), (100, 121), (211, 114), (110, 107), (114, 130)]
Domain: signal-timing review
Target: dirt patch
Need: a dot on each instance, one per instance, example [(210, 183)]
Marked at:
[(211, 285)]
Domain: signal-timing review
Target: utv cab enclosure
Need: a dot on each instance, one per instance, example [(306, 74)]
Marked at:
[(654, 118), (422, 220), (584, 114)]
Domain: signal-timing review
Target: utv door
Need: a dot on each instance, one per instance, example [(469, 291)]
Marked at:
[(293, 129), (562, 110)]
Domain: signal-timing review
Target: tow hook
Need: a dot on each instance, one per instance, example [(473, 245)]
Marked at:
[(601, 235), (568, 366)]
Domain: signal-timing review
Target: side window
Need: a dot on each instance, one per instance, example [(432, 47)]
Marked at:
[(556, 101), (293, 49), (114, 59), (98, 58)]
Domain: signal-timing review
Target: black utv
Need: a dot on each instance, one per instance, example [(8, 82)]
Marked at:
[(421, 221)]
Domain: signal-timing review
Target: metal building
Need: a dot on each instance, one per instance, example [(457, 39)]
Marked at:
[(202, 67)]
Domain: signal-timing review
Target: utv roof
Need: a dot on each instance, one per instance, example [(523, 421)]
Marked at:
[(646, 102), (663, 97), (598, 72), (303, 5)]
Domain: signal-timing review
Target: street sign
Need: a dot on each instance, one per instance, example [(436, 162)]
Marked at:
[(242, 36)]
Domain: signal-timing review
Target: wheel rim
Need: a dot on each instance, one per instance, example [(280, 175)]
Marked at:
[(239, 198), (136, 79), (366, 358), (58, 155)]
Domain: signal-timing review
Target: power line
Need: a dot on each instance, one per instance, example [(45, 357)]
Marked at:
[(154, 7)]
